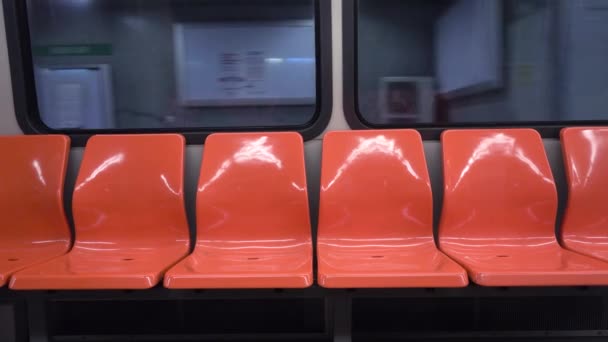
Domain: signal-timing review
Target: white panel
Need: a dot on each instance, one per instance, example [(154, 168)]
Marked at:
[(337, 120), (246, 64), (530, 72), (468, 45), (584, 83), (75, 97), (8, 122)]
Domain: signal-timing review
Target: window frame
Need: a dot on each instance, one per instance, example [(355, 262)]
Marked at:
[(355, 120), (26, 102)]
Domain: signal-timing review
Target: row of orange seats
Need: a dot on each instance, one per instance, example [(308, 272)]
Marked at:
[(253, 228)]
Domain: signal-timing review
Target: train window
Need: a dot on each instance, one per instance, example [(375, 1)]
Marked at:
[(420, 63), (172, 65)]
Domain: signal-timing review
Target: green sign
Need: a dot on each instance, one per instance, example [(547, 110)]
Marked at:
[(73, 50)]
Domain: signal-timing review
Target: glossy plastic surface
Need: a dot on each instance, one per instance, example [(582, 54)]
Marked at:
[(129, 217), (376, 214), (585, 223), (499, 211), (34, 228), (253, 223)]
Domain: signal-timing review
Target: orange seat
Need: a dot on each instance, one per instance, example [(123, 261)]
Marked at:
[(129, 217), (253, 223), (376, 214), (585, 224), (34, 228), (499, 211)]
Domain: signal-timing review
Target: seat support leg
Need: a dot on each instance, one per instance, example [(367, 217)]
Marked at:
[(342, 327), (36, 314)]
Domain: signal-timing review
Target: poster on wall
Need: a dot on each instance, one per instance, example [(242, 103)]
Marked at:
[(263, 63), (242, 74)]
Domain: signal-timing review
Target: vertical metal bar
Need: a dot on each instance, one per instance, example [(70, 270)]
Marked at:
[(342, 318), (36, 316)]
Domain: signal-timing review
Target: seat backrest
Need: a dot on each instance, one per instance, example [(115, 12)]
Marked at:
[(585, 153), (498, 187), (252, 187), (129, 192), (374, 185), (31, 189)]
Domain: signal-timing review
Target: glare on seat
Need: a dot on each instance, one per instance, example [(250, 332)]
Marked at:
[(376, 214), (253, 222), (499, 212), (129, 217)]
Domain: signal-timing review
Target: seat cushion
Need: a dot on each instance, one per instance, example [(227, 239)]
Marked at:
[(396, 266), (100, 269), (545, 265), (286, 267)]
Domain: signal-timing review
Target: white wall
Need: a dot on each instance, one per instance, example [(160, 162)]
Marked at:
[(529, 80), (338, 122), (8, 123), (584, 38)]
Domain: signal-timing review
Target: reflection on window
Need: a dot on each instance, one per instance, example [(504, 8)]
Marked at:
[(104, 64), (476, 61)]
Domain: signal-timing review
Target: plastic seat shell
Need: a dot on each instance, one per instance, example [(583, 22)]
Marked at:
[(129, 217), (253, 221), (34, 227), (376, 214), (585, 222), (499, 211)]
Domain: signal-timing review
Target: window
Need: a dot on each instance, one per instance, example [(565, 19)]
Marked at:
[(422, 63), (171, 65)]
